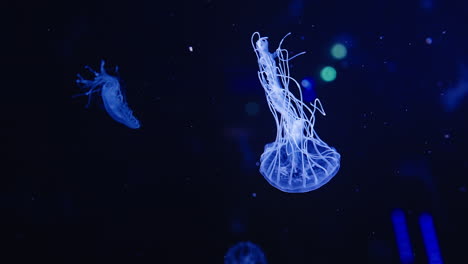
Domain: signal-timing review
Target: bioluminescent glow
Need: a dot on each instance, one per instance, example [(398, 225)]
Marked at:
[(298, 160), (339, 51), (402, 236), (427, 4), (112, 97), (428, 41), (308, 94), (430, 239), (328, 74), (245, 253), (307, 84), (453, 97)]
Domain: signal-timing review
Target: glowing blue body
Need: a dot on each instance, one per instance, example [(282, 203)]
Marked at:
[(245, 253), (298, 161), (112, 97)]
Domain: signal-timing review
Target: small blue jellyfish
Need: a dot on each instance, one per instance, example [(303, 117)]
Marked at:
[(112, 96), (298, 161), (245, 253)]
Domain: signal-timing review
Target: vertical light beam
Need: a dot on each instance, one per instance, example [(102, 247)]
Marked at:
[(430, 239), (402, 236)]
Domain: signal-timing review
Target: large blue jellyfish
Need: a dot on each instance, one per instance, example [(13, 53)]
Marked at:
[(245, 253), (112, 96), (298, 161)]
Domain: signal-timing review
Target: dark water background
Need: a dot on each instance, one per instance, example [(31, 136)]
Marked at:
[(185, 187)]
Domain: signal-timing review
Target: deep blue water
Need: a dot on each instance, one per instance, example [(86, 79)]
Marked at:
[(185, 187)]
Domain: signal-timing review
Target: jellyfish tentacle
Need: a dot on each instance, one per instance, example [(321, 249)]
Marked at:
[(298, 160)]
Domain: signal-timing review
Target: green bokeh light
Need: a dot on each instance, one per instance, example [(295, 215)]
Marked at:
[(338, 51), (252, 108), (328, 74)]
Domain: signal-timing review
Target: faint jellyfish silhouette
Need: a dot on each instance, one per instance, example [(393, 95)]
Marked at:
[(454, 95), (245, 253), (112, 96), (298, 161)]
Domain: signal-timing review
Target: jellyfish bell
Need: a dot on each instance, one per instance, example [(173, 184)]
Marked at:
[(245, 253), (298, 169)]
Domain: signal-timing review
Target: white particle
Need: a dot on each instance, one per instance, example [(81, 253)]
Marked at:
[(190, 48)]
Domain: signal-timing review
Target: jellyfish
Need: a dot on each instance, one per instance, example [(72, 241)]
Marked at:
[(245, 253), (298, 160), (112, 96)]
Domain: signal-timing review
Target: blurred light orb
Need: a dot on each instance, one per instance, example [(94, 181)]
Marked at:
[(308, 93), (339, 51), (252, 108), (428, 41), (328, 74), (308, 84)]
